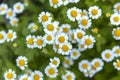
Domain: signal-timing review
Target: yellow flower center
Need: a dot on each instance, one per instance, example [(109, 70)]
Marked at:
[(9, 75), (31, 41), (54, 1), (49, 38), (84, 22), (2, 8), (116, 19), (72, 36), (63, 0), (35, 27), (82, 46), (117, 33), (75, 53), (9, 35), (39, 41), (83, 13), (94, 12), (97, 64), (15, 22), (117, 51), (54, 62), (44, 18), (95, 30), (67, 62), (61, 39), (69, 77), (50, 27), (88, 41), (36, 77), (51, 71), (79, 35), (65, 48), (84, 66), (21, 62), (65, 30), (74, 13), (1, 36), (57, 46), (118, 7), (18, 7), (25, 79), (10, 13), (107, 55), (118, 64)]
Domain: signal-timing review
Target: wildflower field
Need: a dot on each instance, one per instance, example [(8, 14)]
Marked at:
[(59, 39)]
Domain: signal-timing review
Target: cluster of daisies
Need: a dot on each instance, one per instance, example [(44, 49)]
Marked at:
[(58, 3), (11, 13), (9, 36)]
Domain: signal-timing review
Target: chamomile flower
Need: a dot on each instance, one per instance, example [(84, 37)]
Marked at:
[(55, 3), (116, 33), (2, 36), (44, 17), (11, 35), (115, 19), (65, 2), (21, 62), (107, 55), (30, 41), (51, 27), (24, 77), (10, 75), (49, 38), (89, 74), (14, 21), (79, 34), (83, 13), (88, 40), (116, 51), (61, 38), (75, 54), (30, 27), (73, 14), (54, 62), (65, 49), (98, 64), (84, 22), (117, 7), (117, 64), (84, 66), (51, 71), (68, 76), (3, 8), (82, 46), (55, 47), (18, 7), (72, 36), (36, 75), (67, 62), (65, 28), (10, 14), (94, 12), (39, 42)]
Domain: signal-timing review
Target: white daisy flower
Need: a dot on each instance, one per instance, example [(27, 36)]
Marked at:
[(2, 36), (84, 66), (117, 64), (107, 55), (65, 49), (73, 14), (51, 27), (82, 46), (55, 3), (75, 54), (44, 17), (3, 8), (54, 62), (115, 19), (24, 77), (51, 71), (11, 35), (94, 12), (61, 38), (14, 21), (89, 41), (21, 62), (49, 38), (67, 62), (116, 33), (116, 51), (30, 41), (10, 14), (83, 13), (36, 75), (28, 72), (65, 28), (10, 75), (55, 47), (89, 74), (68, 76), (39, 42), (18, 7), (72, 36), (30, 27), (79, 34), (117, 8), (98, 64), (84, 22), (65, 2)]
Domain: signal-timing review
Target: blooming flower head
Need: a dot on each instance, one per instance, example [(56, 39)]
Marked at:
[(117, 64), (83, 13), (65, 28), (65, 2), (115, 19), (49, 38), (75, 54), (68, 76), (18, 7), (55, 3), (117, 8), (54, 62), (116, 33), (116, 51), (11, 35), (3, 8), (67, 62), (10, 14), (14, 21), (2, 36), (24, 77)]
